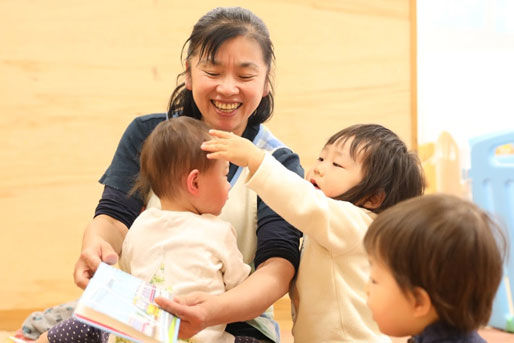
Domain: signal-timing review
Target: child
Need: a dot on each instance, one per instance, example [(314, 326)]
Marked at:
[(435, 268), (360, 171), (182, 245)]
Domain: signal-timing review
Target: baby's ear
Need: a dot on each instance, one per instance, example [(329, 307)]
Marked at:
[(375, 200), (422, 302), (192, 184)]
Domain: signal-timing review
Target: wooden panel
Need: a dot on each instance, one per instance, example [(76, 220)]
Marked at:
[(74, 74)]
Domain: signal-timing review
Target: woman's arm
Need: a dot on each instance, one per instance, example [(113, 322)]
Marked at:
[(102, 242), (103, 237), (246, 301)]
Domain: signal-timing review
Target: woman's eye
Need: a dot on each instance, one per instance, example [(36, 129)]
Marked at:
[(211, 73), (246, 77)]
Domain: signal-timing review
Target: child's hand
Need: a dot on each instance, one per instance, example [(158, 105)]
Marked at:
[(233, 148)]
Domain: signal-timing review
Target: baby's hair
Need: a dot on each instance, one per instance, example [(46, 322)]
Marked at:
[(387, 165), (447, 246), (169, 153)]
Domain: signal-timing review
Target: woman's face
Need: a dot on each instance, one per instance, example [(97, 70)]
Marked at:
[(229, 89)]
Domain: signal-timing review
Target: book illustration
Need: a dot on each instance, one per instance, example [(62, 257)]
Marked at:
[(113, 297)]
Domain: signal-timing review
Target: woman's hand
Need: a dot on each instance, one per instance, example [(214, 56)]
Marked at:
[(89, 260), (102, 242), (246, 301), (193, 311), (233, 148)]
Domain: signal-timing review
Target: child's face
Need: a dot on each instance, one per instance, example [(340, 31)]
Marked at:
[(214, 188), (391, 308), (335, 171)]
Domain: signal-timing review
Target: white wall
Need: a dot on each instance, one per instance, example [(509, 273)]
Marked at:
[(465, 68)]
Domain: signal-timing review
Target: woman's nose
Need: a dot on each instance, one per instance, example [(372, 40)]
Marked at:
[(228, 86)]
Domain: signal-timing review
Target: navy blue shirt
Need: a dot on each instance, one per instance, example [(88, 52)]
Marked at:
[(442, 333)]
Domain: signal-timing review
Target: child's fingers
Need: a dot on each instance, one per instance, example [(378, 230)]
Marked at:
[(206, 146), (215, 155), (212, 145), (220, 133)]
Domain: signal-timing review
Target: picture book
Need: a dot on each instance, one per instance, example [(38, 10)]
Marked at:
[(122, 304)]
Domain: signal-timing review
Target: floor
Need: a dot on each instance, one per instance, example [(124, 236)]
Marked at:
[(282, 313)]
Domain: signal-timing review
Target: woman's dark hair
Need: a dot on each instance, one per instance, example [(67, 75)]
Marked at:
[(387, 165), (447, 246), (169, 153), (209, 33)]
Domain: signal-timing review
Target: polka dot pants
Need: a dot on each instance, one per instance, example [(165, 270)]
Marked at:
[(245, 339), (71, 330)]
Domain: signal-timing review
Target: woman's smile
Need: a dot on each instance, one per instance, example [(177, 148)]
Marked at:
[(226, 107)]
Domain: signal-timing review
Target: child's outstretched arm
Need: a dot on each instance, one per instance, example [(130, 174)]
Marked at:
[(233, 148)]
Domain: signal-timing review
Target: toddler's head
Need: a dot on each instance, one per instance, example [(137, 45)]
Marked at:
[(369, 166), (172, 164), (433, 258)]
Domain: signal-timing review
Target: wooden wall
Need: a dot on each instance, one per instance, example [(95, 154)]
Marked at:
[(74, 73)]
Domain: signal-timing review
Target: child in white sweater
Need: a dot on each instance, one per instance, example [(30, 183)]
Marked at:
[(360, 171)]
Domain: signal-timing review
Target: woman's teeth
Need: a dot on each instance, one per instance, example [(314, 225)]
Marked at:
[(226, 107)]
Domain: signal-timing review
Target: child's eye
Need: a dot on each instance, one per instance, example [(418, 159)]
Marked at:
[(320, 159), (337, 165)]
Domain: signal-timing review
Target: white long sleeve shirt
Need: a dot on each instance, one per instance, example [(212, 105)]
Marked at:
[(329, 297)]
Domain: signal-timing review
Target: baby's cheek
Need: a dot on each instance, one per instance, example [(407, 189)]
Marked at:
[(308, 174)]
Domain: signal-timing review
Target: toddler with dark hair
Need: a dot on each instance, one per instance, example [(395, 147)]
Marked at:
[(360, 171), (436, 263)]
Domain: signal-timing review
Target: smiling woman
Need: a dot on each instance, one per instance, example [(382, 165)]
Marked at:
[(228, 87)]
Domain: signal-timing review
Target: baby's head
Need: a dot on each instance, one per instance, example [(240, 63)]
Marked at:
[(173, 165), (369, 166), (434, 257)]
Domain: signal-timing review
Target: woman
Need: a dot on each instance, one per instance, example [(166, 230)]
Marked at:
[(227, 85)]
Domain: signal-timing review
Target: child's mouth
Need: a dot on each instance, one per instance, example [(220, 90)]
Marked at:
[(314, 183)]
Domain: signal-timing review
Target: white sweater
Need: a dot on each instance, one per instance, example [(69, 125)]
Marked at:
[(329, 297)]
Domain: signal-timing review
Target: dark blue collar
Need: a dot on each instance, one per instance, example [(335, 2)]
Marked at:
[(440, 332)]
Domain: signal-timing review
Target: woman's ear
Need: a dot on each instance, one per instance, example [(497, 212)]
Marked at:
[(375, 200), (192, 182), (266, 89), (188, 83)]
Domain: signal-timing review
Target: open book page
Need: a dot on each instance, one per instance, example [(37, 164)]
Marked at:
[(118, 302)]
